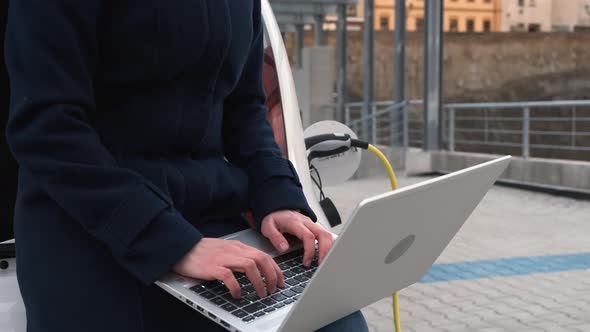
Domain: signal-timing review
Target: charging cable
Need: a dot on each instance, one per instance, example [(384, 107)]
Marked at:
[(393, 181), (332, 144)]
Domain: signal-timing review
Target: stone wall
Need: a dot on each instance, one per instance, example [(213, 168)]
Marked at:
[(479, 67)]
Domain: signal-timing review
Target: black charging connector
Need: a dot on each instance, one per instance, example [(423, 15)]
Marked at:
[(326, 145), (331, 212)]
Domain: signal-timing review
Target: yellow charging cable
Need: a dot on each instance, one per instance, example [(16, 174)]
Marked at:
[(387, 165), (393, 181)]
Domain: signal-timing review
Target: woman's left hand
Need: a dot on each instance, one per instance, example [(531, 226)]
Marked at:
[(277, 223)]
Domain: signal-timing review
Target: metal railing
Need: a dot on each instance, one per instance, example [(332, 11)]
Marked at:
[(389, 121), (552, 129)]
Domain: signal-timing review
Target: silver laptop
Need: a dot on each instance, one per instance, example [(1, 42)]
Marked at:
[(389, 243)]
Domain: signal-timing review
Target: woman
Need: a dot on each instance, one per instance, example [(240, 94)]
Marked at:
[(121, 115)]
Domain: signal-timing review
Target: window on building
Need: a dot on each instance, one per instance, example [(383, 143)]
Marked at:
[(470, 25), (534, 27), (521, 3), (352, 11), (487, 1), (532, 3), (419, 24), (561, 28), (453, 25), (487, 26), (384, 22)]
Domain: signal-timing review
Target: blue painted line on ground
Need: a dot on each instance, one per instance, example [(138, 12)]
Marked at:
[(505, 267)]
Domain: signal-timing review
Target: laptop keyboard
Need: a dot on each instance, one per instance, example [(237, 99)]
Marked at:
[(250, 307)]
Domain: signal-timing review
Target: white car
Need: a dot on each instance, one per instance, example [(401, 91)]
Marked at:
[(286, 120), (12, 309)]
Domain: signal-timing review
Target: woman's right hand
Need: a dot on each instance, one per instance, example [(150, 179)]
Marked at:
[(217, 259)]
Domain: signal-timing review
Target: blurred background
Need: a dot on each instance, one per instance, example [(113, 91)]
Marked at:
[(443, 85), (485, 59)]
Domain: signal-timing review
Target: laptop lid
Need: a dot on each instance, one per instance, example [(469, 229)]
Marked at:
[(389, 243)]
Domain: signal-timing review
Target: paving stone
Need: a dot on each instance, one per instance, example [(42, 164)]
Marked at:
[(508, 223), (581, 328)]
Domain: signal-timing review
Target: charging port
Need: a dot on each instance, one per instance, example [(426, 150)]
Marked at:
[(212, 315), (224, 323), (189, 302), (200, 309)]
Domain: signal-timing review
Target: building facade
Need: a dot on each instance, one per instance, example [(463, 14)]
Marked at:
[(571, 15), (528, 15), (459, 15), (486, 15), (545, 15)]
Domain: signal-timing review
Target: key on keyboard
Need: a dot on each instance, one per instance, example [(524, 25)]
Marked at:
[(252, 307)]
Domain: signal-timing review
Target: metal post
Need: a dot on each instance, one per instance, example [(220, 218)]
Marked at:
[(526, 123), (368, 44), (346, 114), (405, 121), (399, 93), (433, 74), (574, 129), (486, 129), (318, 29), (342, 32), (299, 45), (452, 130), (374, 124)]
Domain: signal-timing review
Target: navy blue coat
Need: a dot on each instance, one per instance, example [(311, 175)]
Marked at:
[(122, 112)]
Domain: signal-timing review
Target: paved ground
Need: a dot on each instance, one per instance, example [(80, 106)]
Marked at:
[(520, 263)]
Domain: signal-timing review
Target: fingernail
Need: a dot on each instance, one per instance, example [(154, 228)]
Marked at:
[(284, 246), (308, 262)]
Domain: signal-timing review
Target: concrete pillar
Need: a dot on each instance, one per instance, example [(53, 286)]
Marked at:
[(342, 63), (319, 30), (368, 64), (433, 74), (314, 82), (298, 45)]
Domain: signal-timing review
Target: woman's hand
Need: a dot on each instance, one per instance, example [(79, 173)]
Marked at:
[(217, 259), (294, 223)]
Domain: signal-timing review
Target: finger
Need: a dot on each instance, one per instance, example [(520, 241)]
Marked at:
[(265, 265), (325, 240), (280, 276), (230, 281), (249, 266), (306, 236), (271, 232)]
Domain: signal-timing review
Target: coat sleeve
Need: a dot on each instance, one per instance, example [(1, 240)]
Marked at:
[(51, 55), (249, 141)]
